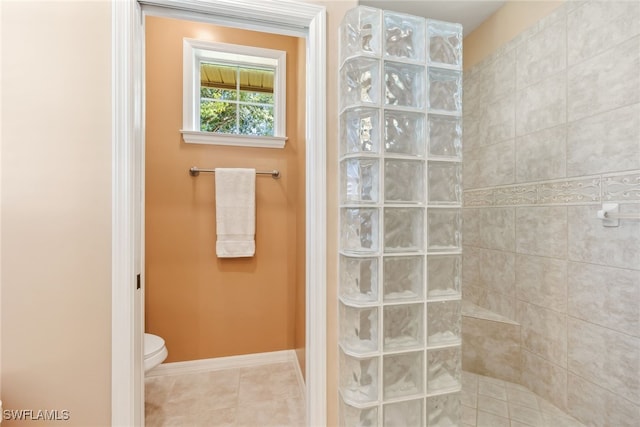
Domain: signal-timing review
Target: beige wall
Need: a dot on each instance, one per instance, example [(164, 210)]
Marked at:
[(56, 213), (204, 306), (506, 23)]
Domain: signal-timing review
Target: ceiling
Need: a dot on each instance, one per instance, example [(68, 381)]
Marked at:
[(469, 13)]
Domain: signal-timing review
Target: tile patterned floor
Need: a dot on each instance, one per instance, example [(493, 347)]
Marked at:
[(271, 395), (488, 402), (267, 395)]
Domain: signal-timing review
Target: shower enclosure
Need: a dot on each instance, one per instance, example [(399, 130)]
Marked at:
[(400, 220)]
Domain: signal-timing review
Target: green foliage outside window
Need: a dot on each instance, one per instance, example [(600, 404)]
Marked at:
[(236, 112)]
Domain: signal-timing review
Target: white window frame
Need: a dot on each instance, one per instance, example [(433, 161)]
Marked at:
[(194, 52)]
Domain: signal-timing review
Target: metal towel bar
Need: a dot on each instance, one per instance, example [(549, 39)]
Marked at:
[(195, 171)]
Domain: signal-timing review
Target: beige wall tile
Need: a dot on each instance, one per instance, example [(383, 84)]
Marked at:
[(489, 166), (597, 25), (544, 332), (490, 269), (604, 82), (607, 296), (545, 379), (542, 281), (501, 76), (541, 231), (604, 142), (605, 357), (491, 348), (598, 407), (489, 228), (589, 241), (542, 54), (541, 155), (542, 105)]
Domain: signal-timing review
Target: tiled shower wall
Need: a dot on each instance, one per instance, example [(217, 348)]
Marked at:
[(552, 130)]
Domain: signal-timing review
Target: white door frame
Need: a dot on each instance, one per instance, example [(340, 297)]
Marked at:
[(287, 17)]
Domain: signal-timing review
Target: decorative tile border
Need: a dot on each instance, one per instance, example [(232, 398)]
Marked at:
[(478, 198), (583, 190), (621, 187), (520, 195)]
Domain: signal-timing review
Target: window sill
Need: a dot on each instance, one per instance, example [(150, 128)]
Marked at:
[(196, 137)]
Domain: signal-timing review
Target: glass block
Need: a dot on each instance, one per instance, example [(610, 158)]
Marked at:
[(359, 131), (350, 416), (444, 274), (445, 90), (403, 374), (359, 229), (403, 326), (404, 36), (403, 278), (404, 133), (443, 410), (443, 229), (445, 136), (404, 414), (358, 378), (445, 42), (404, 84), (443, 370), (360, 82), (403, 229), (443, 323), (359, 329), (360, 32), (359, 180), (445, 183), (359, 279), (404, 181)]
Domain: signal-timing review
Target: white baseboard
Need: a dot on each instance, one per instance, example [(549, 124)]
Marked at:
[(230, 362), (301, 383)]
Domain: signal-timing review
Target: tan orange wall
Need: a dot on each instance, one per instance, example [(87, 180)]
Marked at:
[(201, 305), (505, 24), (56, 209)]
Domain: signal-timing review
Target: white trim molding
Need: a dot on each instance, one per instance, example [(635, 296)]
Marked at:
[(194, 52), (197, 137), (126, 111), (285, 17), (220, 363)]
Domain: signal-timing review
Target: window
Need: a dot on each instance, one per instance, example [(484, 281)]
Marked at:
[(233, 95)]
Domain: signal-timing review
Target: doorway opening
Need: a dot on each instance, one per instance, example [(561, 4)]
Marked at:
[(298, 19)]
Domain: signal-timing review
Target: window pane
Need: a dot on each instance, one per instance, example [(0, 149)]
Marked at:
[(217, 117), (215, 93), (257, 97), (256, 80), (256, 120), (218, 76)]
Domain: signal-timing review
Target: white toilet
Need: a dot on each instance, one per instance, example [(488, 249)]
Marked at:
[(154, 351)]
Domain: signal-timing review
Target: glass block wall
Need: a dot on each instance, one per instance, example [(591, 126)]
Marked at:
[(400, 220)]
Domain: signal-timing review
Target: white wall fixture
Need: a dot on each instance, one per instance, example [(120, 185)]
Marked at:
[(400, 220), (611, 216)]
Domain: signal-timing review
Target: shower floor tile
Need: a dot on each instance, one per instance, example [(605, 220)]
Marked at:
[(265, 395), (489, 402)]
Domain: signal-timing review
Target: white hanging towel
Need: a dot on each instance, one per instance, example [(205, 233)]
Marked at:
[(235, 212)]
